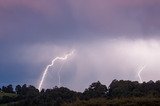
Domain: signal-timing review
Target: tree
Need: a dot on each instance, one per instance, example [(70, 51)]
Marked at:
[(95, 90), (4, 89), (24, 89), (32, 91), (18, 89), (124, 88), (8, 89)]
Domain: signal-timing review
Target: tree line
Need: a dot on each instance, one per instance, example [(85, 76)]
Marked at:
[(31, 96)]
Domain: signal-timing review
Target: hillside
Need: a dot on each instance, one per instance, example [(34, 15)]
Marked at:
[(118, 93)]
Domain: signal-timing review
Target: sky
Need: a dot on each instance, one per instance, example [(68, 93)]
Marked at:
[(112, 39)]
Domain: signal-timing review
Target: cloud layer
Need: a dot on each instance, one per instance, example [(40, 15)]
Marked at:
[(112, 38)]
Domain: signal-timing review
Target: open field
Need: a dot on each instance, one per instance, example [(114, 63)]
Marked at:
[(117, 102)]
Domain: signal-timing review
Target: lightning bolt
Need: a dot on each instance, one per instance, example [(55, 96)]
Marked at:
[(52, 64), (59, 76), (139, 73)]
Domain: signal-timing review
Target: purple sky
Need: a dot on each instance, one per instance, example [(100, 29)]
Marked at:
[(113, 40)]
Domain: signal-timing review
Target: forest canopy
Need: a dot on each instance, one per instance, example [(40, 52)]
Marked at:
[(118, 90)]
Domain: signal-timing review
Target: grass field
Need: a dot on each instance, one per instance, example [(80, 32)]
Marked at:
[(117, 102), (7, 94), (3, 104)]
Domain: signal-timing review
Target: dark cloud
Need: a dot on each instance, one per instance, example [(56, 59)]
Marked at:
[(31, 21), (34, 32)]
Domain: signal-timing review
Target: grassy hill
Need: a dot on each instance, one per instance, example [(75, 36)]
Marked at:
[(116, 102), (7, 94)]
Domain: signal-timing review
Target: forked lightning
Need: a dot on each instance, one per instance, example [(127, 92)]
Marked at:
[(139, 73), (52, 64)]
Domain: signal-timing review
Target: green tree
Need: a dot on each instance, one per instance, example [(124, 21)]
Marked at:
[(95, 90), (18, 89), (124, 88), (8, 89)]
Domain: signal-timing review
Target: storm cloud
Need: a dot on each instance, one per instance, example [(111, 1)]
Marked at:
[(112, 39)]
